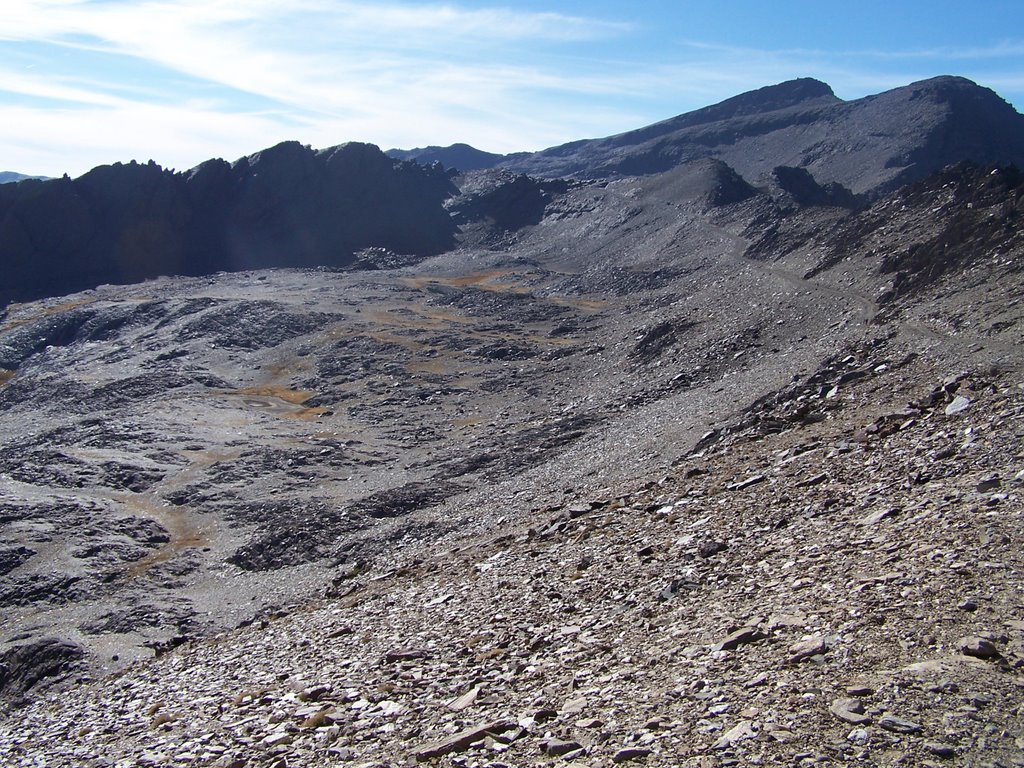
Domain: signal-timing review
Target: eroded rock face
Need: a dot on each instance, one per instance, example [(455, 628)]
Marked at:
[(798, 185), (980, 209), (25, 666)]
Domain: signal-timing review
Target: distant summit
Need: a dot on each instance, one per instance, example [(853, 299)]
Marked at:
[(772, 98), (460, 156), (870, 145), (9, 177)]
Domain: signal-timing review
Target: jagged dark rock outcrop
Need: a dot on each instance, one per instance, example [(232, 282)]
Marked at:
[(287, 206), (24, 666), (982, 208), (503, 201), (800, 187), (708, 182)]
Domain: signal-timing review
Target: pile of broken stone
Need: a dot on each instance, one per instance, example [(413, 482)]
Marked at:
[(845, 589)]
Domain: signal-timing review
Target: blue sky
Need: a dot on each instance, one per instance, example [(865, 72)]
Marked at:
[(86, 82)]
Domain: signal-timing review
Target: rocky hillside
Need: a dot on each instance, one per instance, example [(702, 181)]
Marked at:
[(637, 482), (836, 581), (287, 206), (667, 469)]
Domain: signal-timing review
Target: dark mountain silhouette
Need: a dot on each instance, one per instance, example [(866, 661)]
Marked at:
[(287, 206), (460, 156), (870, 145)]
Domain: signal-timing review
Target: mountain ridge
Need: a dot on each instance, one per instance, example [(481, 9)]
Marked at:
[(714, 464), (870, 145), (11, 177), (287, 205), (292, 206), (459, 156), (979, 126)]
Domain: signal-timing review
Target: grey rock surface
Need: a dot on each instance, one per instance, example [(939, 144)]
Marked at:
[(663, 476)]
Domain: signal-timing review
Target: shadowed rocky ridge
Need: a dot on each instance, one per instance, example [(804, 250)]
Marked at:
[(287, 206)]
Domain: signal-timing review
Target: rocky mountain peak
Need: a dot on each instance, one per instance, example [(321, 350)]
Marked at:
[(772, 98), (285, 155), (768, 99), (946, 86), (460, 156), (870, 145), (963, 97)]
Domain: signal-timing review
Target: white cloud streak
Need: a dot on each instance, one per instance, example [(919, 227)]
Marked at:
[(341, 70), (227, 77)]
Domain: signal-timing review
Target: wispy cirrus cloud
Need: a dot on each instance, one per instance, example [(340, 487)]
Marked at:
[(389, 73), (84, 82)]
